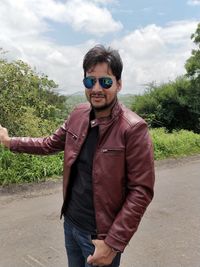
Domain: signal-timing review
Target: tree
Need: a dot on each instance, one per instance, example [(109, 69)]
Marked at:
[(167, 105), (28, 99), (192, 65), (175, 105)]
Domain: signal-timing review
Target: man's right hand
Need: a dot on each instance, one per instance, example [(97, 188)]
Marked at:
[(4, 137)]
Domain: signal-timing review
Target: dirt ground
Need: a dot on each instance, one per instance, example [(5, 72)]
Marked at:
[(31, 233)]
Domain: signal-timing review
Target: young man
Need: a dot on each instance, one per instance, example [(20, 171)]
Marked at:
[(108, 166)]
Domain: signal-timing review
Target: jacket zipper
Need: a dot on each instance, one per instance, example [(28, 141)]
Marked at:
[(72, 134), (105, 150)]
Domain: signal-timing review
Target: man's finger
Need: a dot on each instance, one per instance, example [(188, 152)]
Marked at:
[(90, 259)]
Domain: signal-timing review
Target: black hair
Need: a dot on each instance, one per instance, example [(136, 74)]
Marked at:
[(99, 54)]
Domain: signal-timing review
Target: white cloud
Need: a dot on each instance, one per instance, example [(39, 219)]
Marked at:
[(105, 2), (193, 2), (155, 54), (17, 19), (84, 15), (81, 15)]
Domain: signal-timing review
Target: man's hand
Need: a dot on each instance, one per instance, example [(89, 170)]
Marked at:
[(4, 137), (103, 254)]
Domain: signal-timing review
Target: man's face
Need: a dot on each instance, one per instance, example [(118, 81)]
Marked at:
[(102, 99)]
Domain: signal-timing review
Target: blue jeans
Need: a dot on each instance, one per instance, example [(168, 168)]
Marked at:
[(79, 246)]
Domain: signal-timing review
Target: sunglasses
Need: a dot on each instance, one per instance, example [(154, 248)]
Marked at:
[(105, 82)]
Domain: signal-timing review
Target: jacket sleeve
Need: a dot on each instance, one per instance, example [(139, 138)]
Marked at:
[(40, 146), (139, 188)]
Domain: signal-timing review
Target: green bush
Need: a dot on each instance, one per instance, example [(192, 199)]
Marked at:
[(29, 104), (175, 144), (20, 168), (174, 105)]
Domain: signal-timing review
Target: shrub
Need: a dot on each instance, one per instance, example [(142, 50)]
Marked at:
[(20, 168), (175, 144)]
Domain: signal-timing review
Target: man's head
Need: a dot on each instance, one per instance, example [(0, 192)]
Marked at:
[(99, 54), (102, 77)]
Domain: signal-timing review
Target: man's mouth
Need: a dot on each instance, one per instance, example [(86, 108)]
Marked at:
[(97, 96)]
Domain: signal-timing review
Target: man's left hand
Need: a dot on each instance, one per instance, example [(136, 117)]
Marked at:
[(103, 254)]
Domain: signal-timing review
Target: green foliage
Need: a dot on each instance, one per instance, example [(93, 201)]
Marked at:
[(28, 168), (175, 144), (193, 63), (174, 105), (193, 73), (28, 107), (27, 101)]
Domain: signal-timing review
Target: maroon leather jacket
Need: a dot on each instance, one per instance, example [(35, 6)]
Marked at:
[(123, 167)]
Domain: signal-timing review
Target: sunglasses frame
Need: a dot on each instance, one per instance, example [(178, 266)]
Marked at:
[(93, 81)]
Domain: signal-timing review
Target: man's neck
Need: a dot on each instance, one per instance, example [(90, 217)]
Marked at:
[(102, 113), (105, 112)]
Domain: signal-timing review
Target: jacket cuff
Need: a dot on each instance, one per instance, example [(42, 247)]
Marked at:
[(115, 243), (13, 144)]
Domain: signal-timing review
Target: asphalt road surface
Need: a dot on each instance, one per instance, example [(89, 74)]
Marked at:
[(31, 233)]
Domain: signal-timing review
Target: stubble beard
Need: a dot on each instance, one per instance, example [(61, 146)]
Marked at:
[(105, 106)]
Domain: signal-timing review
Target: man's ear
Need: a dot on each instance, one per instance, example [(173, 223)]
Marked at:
[(119, 84)]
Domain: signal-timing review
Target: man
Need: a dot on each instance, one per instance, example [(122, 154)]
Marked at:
[(108, 166)]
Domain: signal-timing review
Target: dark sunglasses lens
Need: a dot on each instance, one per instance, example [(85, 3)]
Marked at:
[(105, 82), (88, 82)]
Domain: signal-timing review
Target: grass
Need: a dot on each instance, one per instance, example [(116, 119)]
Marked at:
[(176, 144), (23, 168), (20, 168)]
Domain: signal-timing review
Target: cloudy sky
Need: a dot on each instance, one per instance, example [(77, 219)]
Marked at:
[(153, 37)]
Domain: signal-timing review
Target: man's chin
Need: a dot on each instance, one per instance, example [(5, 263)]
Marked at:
[(102, 106), (99, 107)]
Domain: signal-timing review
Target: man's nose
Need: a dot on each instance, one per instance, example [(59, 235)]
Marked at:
[(97, 87)]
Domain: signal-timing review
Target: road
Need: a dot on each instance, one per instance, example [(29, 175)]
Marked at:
[(31, 233)]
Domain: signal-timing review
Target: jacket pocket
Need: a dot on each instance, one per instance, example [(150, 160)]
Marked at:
[(113, 151)]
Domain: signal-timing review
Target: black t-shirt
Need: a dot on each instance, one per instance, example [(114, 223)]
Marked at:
[(80, 206)]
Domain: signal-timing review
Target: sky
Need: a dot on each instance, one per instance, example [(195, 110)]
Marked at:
[(52, 36)]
